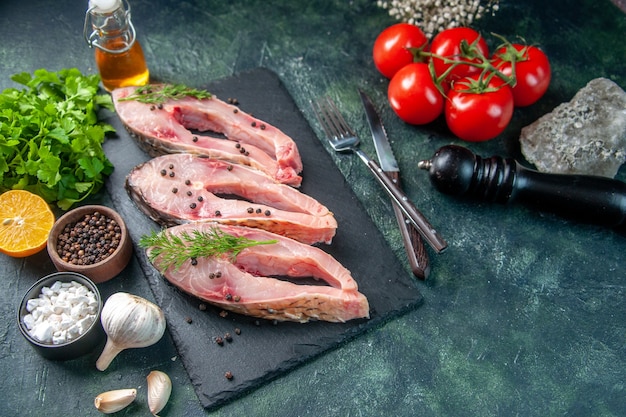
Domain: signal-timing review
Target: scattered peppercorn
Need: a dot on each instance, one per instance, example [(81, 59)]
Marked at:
[(163, 172), (218, 213), (262, 126), (228, 337), (174, 190), (194, 261), (250, 210), (237, 331), (223, 314), (229, 168), (253, 124), (200, 198), (152, 108), (195, 139), (219, 340), (90, 240), (202, 307), (192, 206), (172, 174), (237, 145), (189, 193), (187, 182), (258, 211), (268, 213), (237, 298), (229, 375), (171, 166), (188, 319), (235, 111), (228, 297), (160, 106)]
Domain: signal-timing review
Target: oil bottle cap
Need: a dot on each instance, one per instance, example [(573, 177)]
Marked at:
[(104, 6)]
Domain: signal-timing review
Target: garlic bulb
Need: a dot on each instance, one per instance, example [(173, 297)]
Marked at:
[(129, 322), (113, 401), (159, 390)]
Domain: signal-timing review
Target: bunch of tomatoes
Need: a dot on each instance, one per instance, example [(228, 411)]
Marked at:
[(455, 75)]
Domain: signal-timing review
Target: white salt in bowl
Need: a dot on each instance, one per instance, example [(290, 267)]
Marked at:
[(87, 334)]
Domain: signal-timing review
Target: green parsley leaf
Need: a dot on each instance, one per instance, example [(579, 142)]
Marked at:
[(51, 138)]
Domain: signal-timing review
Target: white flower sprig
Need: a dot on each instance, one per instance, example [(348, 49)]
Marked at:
[(433, 16)]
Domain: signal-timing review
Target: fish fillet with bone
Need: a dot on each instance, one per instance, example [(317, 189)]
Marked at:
[(161, 117), (181, 188), (249, 282)]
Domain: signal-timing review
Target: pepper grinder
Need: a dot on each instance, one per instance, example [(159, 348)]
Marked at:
[(455, 170)]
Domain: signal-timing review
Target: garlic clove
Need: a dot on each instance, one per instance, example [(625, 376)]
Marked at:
[(113, 401), (159, 390), (129, 321)]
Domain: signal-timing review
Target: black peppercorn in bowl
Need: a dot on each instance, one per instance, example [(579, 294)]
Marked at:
[(91, 240), (59, 316)]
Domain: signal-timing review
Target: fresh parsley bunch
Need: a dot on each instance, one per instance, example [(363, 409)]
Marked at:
[(50, 136)]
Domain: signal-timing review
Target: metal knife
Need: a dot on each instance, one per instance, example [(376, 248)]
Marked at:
[(413, 243)]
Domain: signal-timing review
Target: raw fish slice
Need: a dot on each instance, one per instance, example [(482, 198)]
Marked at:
[(165, 128), (180, 188), (245, 285)]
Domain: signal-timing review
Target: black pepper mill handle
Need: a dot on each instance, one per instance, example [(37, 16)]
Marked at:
[(456, 170)]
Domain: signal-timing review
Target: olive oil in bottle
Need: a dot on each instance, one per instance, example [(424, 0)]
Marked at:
[(118, 54)]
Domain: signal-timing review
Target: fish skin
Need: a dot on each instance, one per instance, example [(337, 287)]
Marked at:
[(245, 286), (291, 212), (251, 141)]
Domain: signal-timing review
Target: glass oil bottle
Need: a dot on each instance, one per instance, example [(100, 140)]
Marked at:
[(118, 54)]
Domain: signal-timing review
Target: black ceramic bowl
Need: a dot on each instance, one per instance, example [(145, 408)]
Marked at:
[(77, 347)]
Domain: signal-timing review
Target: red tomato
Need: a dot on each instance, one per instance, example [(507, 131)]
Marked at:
[(391, 47), (413, 95), (448, 44), (479, 116), (532, 71)]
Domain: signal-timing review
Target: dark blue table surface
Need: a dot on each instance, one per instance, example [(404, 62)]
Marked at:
[(524, 314)]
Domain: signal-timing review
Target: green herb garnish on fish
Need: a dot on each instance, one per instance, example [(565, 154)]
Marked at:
[(174, 250), (156, 94)]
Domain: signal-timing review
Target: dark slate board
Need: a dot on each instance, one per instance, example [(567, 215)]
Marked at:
[(265, 350)]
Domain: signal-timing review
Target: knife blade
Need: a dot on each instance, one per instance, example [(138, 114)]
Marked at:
[(413, 243)]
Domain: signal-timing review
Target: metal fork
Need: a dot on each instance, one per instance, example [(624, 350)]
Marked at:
[(343, 139)]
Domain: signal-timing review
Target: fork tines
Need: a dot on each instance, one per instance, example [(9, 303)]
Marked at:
[(329, 116)]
